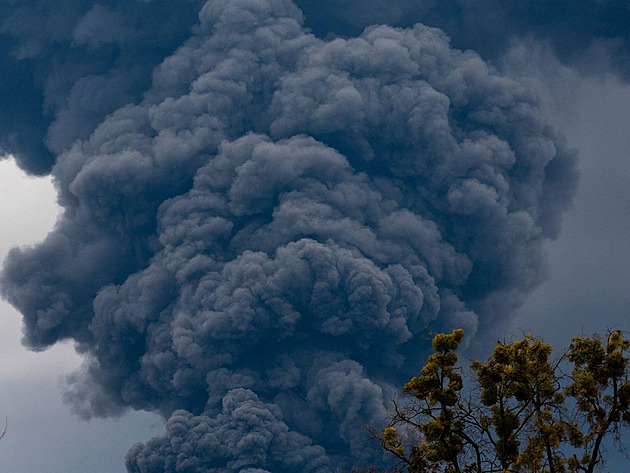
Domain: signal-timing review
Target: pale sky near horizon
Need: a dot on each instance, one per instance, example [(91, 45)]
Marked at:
[(589, 285)]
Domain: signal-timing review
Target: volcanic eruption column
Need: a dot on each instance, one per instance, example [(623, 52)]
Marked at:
[(257, 245)]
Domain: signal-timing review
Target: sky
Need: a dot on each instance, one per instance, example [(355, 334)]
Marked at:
[(589, 264), (259, 216)]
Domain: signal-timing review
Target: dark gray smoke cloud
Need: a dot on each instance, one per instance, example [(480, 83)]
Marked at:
[(593, 35), (246, 432), (67, 64), (54, 54), (259, 246)]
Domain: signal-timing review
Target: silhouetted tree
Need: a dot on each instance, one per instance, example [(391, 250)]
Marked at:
[(523, 412)]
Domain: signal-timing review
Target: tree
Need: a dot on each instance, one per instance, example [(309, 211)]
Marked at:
[(6, 426), (523, 413)]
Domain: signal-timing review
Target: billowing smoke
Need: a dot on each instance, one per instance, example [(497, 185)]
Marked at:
[(258, 247), (592, 35), (67, 64), (55, 54)]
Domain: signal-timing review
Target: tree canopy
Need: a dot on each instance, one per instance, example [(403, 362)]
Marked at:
[(523, 411)]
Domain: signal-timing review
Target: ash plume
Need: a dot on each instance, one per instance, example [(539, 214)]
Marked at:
[(67, 64), (590, 35), (54, 54), (258, 246)]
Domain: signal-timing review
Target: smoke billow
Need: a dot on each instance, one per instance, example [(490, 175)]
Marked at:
[(67, 64), (258, 245), (56, 54), (591, 35)]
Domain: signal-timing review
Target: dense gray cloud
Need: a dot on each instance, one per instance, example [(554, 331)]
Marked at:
[(56, 54), (67, 64), (593, 35), (258, 248), (247, 436)]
